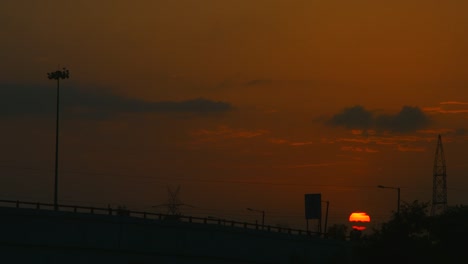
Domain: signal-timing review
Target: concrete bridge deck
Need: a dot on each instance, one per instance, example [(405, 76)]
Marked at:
[(31, 235)]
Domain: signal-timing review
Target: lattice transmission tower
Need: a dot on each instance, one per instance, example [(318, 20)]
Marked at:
[(439, 187), (174, 203)]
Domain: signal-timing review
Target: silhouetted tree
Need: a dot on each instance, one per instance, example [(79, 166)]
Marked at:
[(404, 237), (412, 223), (414, 236), (449, 234)]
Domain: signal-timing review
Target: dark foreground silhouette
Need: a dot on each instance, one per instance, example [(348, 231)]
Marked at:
[(107, 235), (412, 236)]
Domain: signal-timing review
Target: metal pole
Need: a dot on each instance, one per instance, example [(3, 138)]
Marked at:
[(56, 147), (263, 219), (319, 225), (398, 207), (326, 217), (398, 200)]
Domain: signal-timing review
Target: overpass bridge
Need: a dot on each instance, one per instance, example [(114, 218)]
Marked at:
[(37, 233)]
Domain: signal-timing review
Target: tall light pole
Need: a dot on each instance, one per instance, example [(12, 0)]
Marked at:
[(394, 188), (326, 216), (57, 75), (263, 215)]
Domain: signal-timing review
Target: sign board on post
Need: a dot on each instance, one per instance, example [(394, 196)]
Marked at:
[(313, 206)]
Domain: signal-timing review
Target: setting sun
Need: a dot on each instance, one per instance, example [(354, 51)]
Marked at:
[(359, 219)]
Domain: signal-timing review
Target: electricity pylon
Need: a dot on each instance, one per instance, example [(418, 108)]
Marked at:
[(439, 191), (173, 202)]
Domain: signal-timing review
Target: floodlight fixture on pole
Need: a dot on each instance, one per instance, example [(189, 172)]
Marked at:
[(263, 215), (57, 75), (394, 188)]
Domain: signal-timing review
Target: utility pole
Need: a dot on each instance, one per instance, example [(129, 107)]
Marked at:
[(398, 195), (57, 75), (263, 215), (326, 217)]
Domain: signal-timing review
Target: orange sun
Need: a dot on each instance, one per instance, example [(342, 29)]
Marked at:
[(359, 218)]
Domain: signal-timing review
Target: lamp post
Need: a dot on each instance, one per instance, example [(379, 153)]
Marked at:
[(394, 188), (326, 216), (263, 215), (57, 75)]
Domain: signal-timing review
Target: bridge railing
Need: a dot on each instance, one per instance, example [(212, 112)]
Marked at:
[(154, 216)]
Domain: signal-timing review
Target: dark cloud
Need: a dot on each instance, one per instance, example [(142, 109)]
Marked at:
[(408, 119), (460, 132), (33, 100), (357, 117)]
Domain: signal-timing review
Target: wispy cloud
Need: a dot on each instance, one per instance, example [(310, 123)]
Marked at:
[(301, 143), (386, 139), (407, 148), (358, 149), (85, 103), (448, 107), (309, 165), (225, 132), (453, 103), (441, 110), (437, 131), (279, 141), (380, 143), (290, 143)]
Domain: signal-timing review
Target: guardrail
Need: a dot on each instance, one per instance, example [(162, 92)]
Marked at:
[(156, 216)]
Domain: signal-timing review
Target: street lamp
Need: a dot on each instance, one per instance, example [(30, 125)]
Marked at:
[(263, 215), (394, 188), (57, 75), (326, 216)]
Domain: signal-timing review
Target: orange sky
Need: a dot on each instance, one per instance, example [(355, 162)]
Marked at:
[(242, 103)]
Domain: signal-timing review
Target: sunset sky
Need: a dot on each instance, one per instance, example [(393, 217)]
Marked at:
[(245, 103)]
